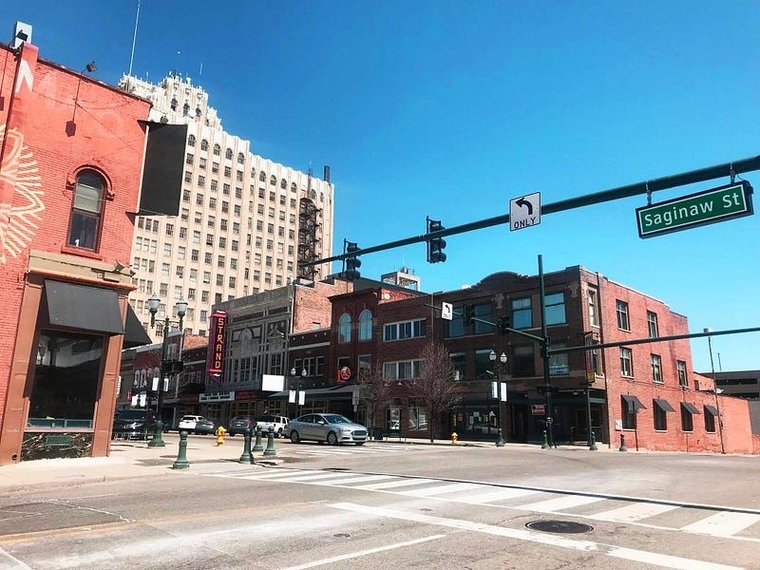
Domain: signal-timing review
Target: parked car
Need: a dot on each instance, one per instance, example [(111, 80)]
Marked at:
[(239, 423), (279, 423), (187, 423), (133, 424), (206, 427), (331, 428)]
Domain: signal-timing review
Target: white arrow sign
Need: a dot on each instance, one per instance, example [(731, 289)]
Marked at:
[(525, 211)]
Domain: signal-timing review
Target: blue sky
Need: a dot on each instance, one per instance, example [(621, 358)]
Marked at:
[(451, 108)]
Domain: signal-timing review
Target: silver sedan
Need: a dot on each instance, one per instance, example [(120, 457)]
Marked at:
[(331, 428)]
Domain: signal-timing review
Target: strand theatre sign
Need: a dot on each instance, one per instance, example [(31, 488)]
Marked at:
[(716, 205), (215, 359)]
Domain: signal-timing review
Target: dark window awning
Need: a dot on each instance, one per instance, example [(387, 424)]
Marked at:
[(664, 405), (82, 307), (691, 408), (134, 333), (712, 409), (633, 402)]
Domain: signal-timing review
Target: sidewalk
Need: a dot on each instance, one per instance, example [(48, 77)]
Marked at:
[(133, 459)]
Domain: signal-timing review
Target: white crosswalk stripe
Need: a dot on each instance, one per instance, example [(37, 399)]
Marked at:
[(720, 524)]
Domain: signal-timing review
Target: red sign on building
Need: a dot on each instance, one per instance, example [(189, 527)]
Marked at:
[(215, 358)]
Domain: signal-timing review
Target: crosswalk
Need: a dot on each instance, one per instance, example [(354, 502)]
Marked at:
[(724, 522), (314, 450)]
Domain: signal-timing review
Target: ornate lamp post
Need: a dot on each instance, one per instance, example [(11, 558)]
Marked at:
[(294, 375), (497, 372), (167, 366)]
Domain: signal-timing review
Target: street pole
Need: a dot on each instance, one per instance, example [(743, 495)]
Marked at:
[(715, 390), (545, 356), (158, 440), (497, 375)]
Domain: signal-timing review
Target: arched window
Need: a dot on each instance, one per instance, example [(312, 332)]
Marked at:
[(241, 158), (217, 150), (185, 109), (228, 154), (198, 112), (263, 176), (174, 104), (365, 325), (87, 210), (204, 144), (253, 175), (273, 180), (191, 140), (293, 187), (284, 184), (344, 328)]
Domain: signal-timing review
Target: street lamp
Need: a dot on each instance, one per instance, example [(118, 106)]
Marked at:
[(497, 371), (294, 374), (167, 366)]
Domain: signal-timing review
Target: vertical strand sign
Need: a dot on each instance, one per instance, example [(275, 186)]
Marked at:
[(215, 358)]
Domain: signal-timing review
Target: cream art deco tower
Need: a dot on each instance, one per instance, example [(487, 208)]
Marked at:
[(244, 221)]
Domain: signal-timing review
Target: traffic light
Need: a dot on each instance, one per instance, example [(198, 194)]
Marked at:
[(504, 324), (435, 245), (352, 263)]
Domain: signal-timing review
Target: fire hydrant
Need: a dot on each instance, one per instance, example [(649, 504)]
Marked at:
[(220, 433), (454, 438)]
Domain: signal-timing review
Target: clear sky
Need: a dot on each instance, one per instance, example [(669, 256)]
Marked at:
[(449, 109)]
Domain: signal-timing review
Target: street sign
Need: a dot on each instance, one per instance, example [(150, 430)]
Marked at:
[(447, 311), (716, 205), (525, 211)]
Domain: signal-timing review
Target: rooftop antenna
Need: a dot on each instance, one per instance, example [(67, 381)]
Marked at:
[(134, 39)]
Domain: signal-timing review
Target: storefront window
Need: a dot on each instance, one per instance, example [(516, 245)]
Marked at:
[(66, 380)]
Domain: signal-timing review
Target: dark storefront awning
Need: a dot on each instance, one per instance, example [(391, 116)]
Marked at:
[(691, 408), (664, 405), (712, 409), (332, 393), (83, 307), (134, 333), (634, 402)]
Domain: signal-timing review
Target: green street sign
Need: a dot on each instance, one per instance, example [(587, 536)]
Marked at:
[(709, 207)]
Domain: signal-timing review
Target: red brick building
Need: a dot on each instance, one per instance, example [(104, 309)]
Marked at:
[(70, 181)]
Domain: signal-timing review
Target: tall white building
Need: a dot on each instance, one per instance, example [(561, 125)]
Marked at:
[(244, 221)]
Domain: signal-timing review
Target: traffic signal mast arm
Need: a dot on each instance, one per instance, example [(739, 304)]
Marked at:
[(639, 188)]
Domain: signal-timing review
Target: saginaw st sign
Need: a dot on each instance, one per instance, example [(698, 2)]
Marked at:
[(716, 205)]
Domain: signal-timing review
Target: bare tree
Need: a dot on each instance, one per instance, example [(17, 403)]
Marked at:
[(374, 393), (435, 389)]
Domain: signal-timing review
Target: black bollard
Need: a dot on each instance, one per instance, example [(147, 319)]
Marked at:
[(246, 457), (257, 446), (182, 462), (593, 447), (622, 443), (270, 443), (545, 444)]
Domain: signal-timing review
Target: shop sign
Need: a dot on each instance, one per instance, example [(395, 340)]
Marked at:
[(538, 409), (215, 359), (216, 397)]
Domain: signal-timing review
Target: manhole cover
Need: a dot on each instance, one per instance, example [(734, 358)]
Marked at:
[(560, 527)]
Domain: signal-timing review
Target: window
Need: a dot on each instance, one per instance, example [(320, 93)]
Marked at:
[(660, 410), (191, 138), (262, 176), (455, 327), (228, 172), (459, 360), (656, 368), (522, 313), (626, 362), (404, 330), (482, 311), (204, 144), (241, 158), (403, 370), (687, 416), (87, 210), (273, 180), (559, 363), (66, 380), (365, 325), (523, 361), (208, 258), (228, 154), (217, 149), (555, 308), (652, 324), (344, 328), (683, 380), (629, 406), (622, 315), (483, 366), (710, 413), (593, 309)]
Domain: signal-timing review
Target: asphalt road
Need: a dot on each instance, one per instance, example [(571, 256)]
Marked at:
[(400, 506)]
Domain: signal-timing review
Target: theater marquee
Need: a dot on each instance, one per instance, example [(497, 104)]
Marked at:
[(215, 360)]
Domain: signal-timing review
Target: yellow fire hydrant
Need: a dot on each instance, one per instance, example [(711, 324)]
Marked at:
[(454, 438), (220, 433)]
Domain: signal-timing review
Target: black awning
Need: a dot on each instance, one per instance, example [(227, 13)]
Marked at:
[(664, 405), (712, 409), (691, 408), (634, 402), (83, 307), (134, 333)]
